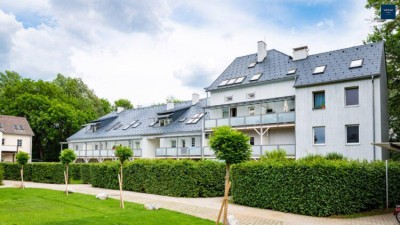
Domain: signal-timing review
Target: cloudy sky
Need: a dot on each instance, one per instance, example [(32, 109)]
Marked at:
[(146, 50)]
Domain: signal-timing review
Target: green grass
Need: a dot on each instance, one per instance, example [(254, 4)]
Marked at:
[(40, 206)]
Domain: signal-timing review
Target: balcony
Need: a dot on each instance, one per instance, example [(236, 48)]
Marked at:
[(106, 153), (195, 152), (243, 121), (9, 148)]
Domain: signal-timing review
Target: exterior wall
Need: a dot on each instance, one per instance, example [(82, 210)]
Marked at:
[(10, 140), (149, 146), (280, 89), (335, 117), (383, 109), (166, 142)]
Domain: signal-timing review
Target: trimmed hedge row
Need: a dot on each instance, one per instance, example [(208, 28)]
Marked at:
[(1, 175), (36, 172), (182, 178), (316, 188)]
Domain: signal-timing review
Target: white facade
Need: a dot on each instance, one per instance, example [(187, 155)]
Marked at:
[(10, 147)]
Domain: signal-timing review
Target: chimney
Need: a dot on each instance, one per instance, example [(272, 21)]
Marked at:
[(120, 109), (262, 51), (195, 98), (170, 105), (300, 53)]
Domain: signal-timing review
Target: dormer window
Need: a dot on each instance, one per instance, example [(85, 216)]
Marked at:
[(223, 83), (319, 69), (356, 63), (251, 65), (292, 71), (256, 77), (231, 81), (239, 80), (165, 122)]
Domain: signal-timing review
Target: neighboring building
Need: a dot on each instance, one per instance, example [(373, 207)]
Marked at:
[(16, 135), (169, 130), (305, 104)]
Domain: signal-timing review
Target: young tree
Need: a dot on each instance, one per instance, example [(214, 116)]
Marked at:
[(22, 159), (233, 147), (123, 153), (66, 157), (125, 103)]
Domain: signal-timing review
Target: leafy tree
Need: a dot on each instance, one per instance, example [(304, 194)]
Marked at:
[(22, 159), (67, 156), (125, 103), (172, 99), (233, 147), (389, 31), (123, 153)]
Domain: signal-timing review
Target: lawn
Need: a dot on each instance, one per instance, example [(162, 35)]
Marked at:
[(40, 206)]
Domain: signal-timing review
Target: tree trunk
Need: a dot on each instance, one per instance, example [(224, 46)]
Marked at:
[(66, 180), (120, 189), (226, 195), (22, 177)]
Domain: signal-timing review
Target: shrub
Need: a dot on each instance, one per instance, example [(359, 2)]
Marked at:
[(48, 173), (75, 171), (278, 154), (334, 156), (1, 174), (315, 187), (311, 158), (85, 173)]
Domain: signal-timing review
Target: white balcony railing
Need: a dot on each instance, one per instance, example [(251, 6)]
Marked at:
[(9, 148), (104, 153), (265, 119)]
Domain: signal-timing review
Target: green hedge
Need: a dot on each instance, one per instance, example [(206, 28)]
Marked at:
[(316, 188), (1, 175), (85, 173), (36, 172)]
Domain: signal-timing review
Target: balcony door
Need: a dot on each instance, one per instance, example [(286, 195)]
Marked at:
[(233, 112)]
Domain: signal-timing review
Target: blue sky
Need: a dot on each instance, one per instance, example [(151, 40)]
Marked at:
[(129, 48)]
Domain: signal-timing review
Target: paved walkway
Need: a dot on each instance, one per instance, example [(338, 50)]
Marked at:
[(208, 208)]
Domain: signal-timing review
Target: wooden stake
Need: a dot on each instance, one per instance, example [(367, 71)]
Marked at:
[(222, 206), (121, 203), (66, 182), (22, 177), (225, 220)]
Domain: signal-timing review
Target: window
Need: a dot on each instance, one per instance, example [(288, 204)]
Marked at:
[(196, 117), (129, 125), (231, 81), (292, 71), (225, 112), (228, 98), (193, 142), (1, 126), (182, 119), (319, 100), (233, 112), (118, 126), (3, 141), (251, 95), (165, 122), (137, 145), (356, 63), (251, 65), (136, 124), (256, 77), (183, 143), (223, 83), (96, 147), (319, 69), (319, 135), (352, 133), (251, 140), (76, 147), (173, 143), (239, 80), (20, 127), (114, 125), (16, 127), (251, 111), (351, 96), (19, 143), (152, 124)]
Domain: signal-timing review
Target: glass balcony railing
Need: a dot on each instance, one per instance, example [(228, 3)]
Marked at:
[(178, 152), (104, 153), (265, 119)]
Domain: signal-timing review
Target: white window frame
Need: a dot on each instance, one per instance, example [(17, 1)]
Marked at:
[(345, 96), (193, 142), (352, 125), (249, 95), (229, 98), (252, 110), (356, 63), (19, 142), (313, 134), (319, 69), (173, 144)]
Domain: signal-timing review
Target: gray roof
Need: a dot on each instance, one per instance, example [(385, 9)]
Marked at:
[(15, 125), (277, 64), (145, 115)]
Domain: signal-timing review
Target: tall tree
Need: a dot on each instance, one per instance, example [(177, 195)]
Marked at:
[(125, 103), (389, 31)]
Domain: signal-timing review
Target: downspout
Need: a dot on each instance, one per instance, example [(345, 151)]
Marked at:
[(373, 115)]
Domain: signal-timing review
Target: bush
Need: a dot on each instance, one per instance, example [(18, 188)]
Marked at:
[(1, 175), (75, 171), (278, 154), (335, 156), (316, 187), (48, 173), (85, 173)]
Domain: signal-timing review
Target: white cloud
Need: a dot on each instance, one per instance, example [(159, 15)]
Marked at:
[(144, 51)]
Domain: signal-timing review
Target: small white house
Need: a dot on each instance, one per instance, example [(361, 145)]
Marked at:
[(16, 135)]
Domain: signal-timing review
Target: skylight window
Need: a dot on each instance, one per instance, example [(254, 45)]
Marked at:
[(239, 80), (136, 124), (319, 69), (20, 127), (118, 126), (223, 83), (256, 77), (129, 125), (183, 119), (114, 125), (251, 65), (292, 71), (231, 81), (152, 124), (356, 63), (195, 118), (16, 127)]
